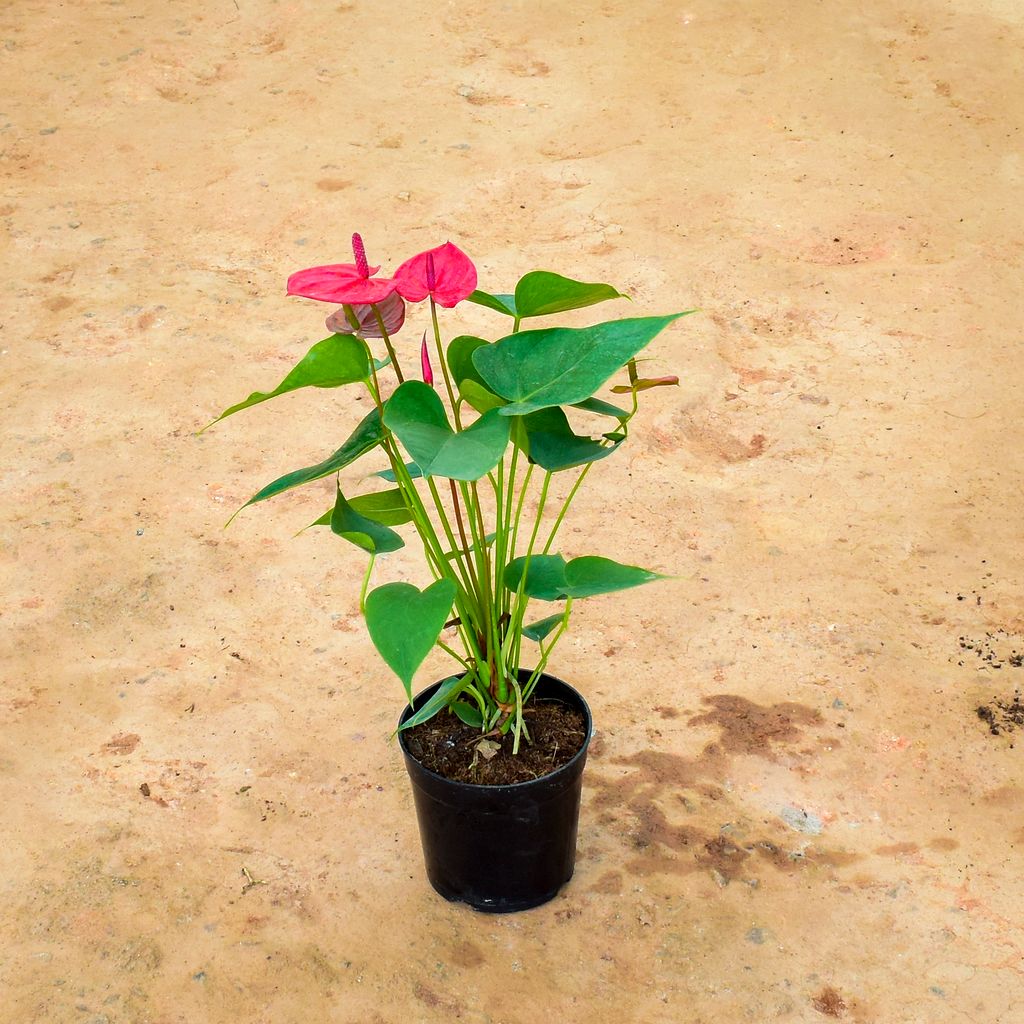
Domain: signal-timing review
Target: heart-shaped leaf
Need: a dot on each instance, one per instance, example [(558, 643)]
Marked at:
[(367, 435), (439, 700), (499, 303), (337, 360), (404, 623), (541, 293), (417, 417), (562, 365), (551, 578), (365, 533), (554, 446)]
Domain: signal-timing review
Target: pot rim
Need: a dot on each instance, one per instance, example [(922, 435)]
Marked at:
[(511, 787)]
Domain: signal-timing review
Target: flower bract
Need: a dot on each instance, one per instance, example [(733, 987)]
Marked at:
[(392, 312), (343, 282), (445, 273)]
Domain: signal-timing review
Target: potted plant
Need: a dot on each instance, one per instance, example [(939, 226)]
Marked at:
[(476, 455)]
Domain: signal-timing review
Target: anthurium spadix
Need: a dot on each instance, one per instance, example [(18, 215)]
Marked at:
[(482, 468)]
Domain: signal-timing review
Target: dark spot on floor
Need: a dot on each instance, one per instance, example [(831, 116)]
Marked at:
[(829, 1002), (749, 728)]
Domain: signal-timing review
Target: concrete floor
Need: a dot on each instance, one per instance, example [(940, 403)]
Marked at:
[(792, 811)]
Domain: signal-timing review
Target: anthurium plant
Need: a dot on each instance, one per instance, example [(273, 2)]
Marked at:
[(467, 454)]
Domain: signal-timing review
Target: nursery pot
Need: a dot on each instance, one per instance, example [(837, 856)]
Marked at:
[(501, 848)]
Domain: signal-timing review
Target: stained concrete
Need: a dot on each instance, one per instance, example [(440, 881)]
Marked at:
[(792, 810)]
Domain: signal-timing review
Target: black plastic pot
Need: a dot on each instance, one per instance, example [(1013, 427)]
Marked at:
[(501, 848)]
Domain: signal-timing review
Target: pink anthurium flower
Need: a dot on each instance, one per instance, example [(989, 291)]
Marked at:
[(428, 372), (446, 273), (392, 312), (343, 282)]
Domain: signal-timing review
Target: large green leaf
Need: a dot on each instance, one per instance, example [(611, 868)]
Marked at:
[(404, 623), (562, 365), (541, 293), (551, 578), (337, 360), (365, 533), (439, 700), (554, 446), (367, 435), (387, 507), (500, 303), (417, 417)]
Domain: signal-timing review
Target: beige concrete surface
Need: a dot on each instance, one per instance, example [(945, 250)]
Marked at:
[(792, 811)]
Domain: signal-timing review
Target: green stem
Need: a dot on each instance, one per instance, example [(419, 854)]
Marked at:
[(521, 601), (462, 555), (531, 683), (444, 362), (366, 583), (565, 507), (387, 341), (462, 661)]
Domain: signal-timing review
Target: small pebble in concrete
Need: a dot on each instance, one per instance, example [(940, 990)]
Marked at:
[(802, 821)]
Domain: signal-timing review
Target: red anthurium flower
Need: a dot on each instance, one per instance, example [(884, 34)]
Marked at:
[(428, 372), (392, 312), (343, 282), (446, 273)]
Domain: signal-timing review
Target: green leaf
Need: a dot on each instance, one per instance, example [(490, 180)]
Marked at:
[(337, 360), (545, 578), (592, 575), (537, 631), (365, 533), (417, 417), (602, 408), (367, 435), (468, 713), (389, 474), (460, 358), (551, 578), (554, 446), (439, 700), (541, 293), (562, 365), (404, 623), (387, 507), (479, 397), (500, 303)]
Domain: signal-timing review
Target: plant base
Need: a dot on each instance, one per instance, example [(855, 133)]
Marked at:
[(501, 849)]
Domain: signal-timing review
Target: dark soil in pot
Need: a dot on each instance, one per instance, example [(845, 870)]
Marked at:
[(449, 747)]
